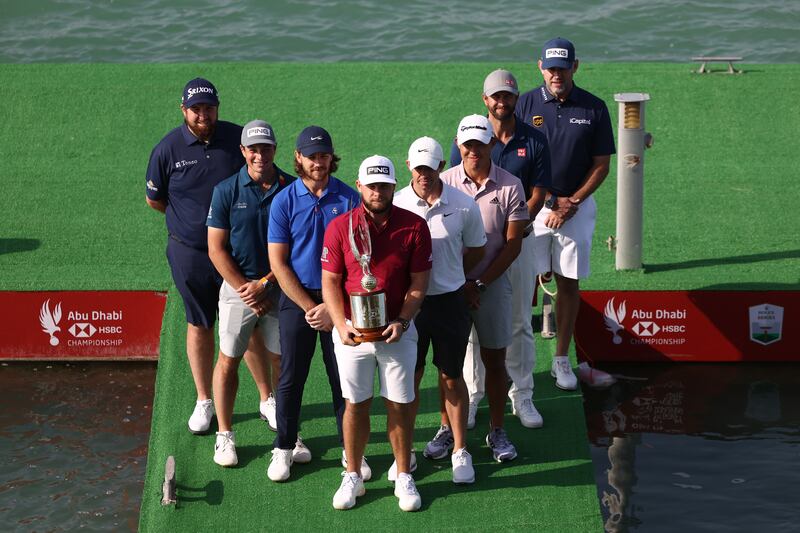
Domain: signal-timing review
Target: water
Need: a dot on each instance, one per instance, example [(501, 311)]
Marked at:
[(73, 438), (764, 31), (698, 448)]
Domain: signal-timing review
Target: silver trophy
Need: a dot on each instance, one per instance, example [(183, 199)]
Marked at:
[(368, 308)]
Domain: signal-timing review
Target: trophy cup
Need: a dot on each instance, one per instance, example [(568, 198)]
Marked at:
[(368, 308)]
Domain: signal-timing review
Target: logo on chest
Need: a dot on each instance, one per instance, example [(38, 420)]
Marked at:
[(240, 205), (522, 152), (184, 163), (537, 120)]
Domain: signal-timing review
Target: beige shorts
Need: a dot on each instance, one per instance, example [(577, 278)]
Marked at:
[(394, 363), (237, 321)]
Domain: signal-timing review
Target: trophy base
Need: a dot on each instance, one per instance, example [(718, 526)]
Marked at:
[(371, 334)]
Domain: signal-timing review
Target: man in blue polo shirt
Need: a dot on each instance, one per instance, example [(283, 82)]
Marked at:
[(522, 151), (578, 128), (183, 170), (297, 221), (237, 245)]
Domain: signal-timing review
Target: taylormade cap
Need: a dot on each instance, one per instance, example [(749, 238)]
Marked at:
[(559, 53), (376, 169), (314, 139), (425, 151), (199, 91), (474, 127), (500, 80), (257, 132)]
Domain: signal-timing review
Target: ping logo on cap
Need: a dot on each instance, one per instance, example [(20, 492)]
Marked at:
[(378, 170), (252, 132), (556, 52)]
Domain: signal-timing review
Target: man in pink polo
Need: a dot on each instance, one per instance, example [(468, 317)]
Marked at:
[(501, 199), (401, 264)]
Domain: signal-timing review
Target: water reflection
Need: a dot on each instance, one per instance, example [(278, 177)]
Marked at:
[(696, 446)]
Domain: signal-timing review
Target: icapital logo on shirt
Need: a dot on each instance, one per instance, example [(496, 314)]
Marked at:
[(580, 121)]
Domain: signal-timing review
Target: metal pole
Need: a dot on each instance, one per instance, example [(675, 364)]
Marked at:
[(630, 179)]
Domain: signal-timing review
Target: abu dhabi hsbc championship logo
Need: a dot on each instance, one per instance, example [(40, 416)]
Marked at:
[(49, 321), (613, 317)]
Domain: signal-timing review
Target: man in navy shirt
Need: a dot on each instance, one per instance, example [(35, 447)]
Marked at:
[(297, 221), (521, 150), (183, 170), (578, 127), (237, 245)]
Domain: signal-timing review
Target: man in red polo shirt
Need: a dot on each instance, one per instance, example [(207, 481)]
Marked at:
[(401, 263)]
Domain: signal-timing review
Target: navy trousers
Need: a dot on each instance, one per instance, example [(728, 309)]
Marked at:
[(298, 343)]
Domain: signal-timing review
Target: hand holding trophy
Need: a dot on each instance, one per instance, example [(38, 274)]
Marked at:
[(368, 308)]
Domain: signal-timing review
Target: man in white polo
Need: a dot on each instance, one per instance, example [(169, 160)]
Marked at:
[(458, 240), (501, 199), (401, 264)]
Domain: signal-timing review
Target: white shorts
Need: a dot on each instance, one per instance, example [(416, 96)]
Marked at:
[(566, 250), (395, 364), (492, 320), (237, 321)]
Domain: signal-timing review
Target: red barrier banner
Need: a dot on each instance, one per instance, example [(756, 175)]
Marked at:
[(81, 325), (688, 326)]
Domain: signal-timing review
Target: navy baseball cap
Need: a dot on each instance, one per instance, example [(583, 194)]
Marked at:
[(558, 53), (199, 91), (314, 139)]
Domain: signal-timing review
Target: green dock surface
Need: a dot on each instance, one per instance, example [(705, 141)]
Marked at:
[(721, 211)]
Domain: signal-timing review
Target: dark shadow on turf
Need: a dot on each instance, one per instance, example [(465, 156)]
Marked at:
[(212, 493), (715, 261), (9, 246)]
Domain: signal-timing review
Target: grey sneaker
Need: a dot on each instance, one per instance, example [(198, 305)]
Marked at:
[(441, 444), (502, 449)]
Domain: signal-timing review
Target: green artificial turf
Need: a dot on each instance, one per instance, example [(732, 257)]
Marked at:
[(549, 487), (720, 183)]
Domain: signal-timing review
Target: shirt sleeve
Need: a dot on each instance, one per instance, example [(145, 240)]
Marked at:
[(157, 178), (422, 255), (219, 210), (517, 208), (455, 155), (543, 171), (473, 234), (603, 142), (279, 228), (332, 257)]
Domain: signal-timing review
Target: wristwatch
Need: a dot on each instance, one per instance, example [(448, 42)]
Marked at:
[(403, 322), (551, 202), (267, 284), (481, 285)]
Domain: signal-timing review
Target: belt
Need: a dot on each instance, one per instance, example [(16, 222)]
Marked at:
[(316, 294)]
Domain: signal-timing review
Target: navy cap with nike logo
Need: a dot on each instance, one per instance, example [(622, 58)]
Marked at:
[(313, 140)]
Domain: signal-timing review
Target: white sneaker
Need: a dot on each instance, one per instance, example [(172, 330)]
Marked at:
[(200, 420), (562, 371), (280, 465), (266, 410), (366, 471), (406, 491), (392, 475), (225, 449), (597, 379), (463, 472), (472, 411), (527, 413), (301, 454), (351, 488)]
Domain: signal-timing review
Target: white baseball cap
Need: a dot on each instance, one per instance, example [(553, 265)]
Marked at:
[(425, 151), (474, 127), (376, 169)]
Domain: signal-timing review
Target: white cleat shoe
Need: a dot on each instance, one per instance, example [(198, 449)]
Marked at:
[(597, 379), (267, 411), (366, 471), (472, 411), (527, 413), (280, 465), (463, 472), (406, 491), (351, 488), (225, 449), (392, 474), (301, 454), (200, 421), (562, 371)]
